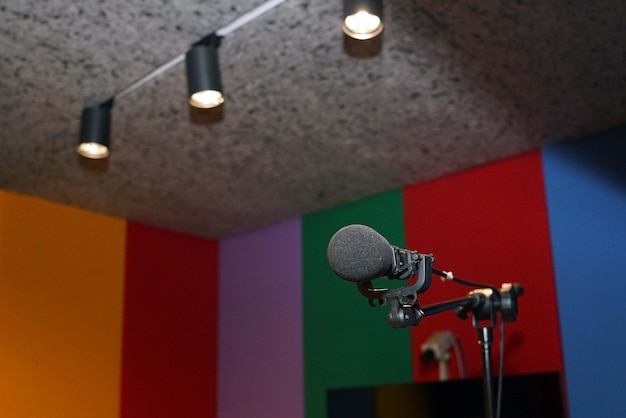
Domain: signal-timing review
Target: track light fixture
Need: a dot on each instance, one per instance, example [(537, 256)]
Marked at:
[(203, 73), (95, 127), (362, 19), (203, 80)]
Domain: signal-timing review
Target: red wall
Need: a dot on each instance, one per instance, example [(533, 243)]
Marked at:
[(488, 225), (169, 352)]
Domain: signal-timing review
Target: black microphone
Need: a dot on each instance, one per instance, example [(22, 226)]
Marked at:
[(358, 253)]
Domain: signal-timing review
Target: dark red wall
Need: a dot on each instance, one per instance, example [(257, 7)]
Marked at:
[(169, 356), (488, 225)]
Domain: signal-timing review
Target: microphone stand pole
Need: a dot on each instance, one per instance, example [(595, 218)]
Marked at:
[(485, 338), (484, 304)]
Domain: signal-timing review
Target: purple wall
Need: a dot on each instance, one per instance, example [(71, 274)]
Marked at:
[(260, 324)]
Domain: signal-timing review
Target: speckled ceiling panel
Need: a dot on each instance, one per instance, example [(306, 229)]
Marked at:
[(312, 120)]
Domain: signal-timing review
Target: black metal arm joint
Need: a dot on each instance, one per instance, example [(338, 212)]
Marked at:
[(404, 315), (418, 265)]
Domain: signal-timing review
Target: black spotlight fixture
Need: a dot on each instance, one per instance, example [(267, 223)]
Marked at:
[(362, 19), (95, 128), (203, 73)]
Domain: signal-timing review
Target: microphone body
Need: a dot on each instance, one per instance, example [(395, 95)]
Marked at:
[(358, 253)]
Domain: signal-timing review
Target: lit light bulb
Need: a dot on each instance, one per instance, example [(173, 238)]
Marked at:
[(93, 150), (206, 99), (362, 25)]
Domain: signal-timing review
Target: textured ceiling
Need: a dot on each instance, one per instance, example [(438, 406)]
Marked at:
[(311, 120)]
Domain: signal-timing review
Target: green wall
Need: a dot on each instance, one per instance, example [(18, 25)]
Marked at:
[(347, 343)]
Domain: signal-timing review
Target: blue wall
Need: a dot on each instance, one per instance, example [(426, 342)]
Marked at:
[(586, 196)]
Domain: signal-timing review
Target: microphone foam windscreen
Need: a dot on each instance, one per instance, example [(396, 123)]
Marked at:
[(358, 253)]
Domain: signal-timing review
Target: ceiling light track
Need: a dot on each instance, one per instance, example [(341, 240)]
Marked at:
[(202, 73)]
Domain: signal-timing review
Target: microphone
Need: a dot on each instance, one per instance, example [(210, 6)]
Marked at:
[(358, 253)]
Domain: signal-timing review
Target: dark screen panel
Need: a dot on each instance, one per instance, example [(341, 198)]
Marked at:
[(524, 396), (350, 403)]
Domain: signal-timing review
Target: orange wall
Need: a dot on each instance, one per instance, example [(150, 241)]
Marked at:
[(61, 293)]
